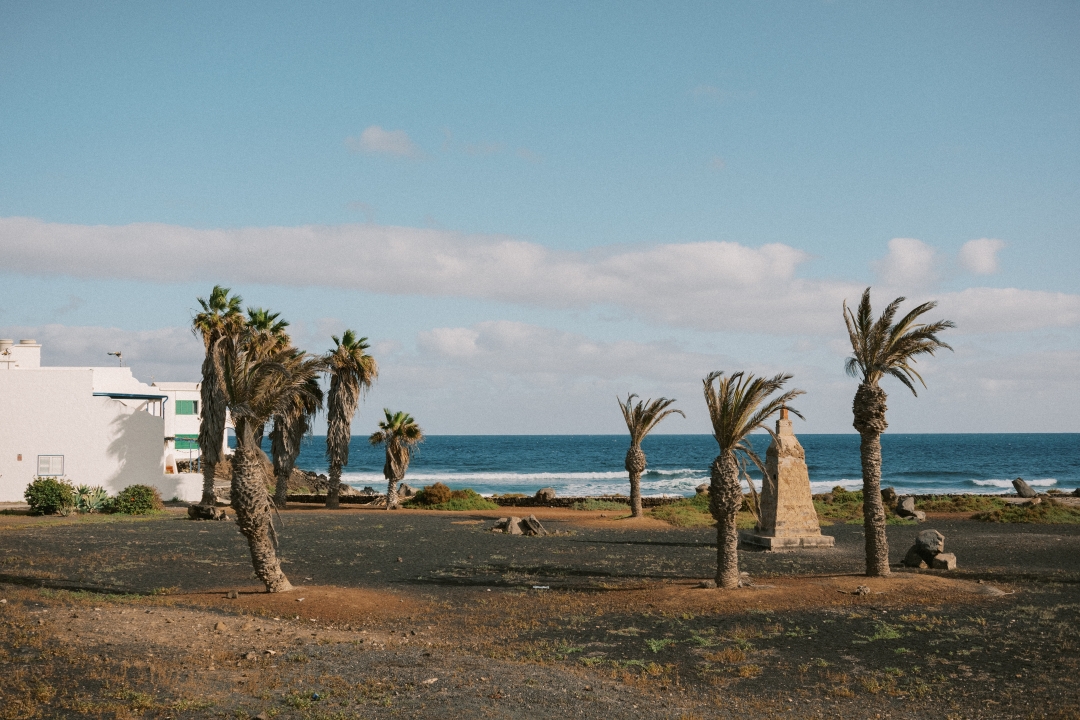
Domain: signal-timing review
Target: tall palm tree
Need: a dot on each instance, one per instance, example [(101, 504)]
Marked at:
[(352, 371), (267, 336), (738, 405), (640, 420), (398, 432), (290, 427), (257, 385), (879, 348), (221, 317)]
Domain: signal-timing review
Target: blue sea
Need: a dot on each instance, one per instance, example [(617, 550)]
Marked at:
[(577, 465)]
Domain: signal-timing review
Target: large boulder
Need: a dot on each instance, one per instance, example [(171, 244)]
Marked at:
[(929, 551), (703, 489), (405, 490), (905, 508), (889, 498), (1023, 489), (546, 494), (520, 526)]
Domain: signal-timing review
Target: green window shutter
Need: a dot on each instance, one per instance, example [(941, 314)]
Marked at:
[(187, 442), (187, 407)]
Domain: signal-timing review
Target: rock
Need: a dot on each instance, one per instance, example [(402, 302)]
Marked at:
[(405, 491), (1023, 489), (547, 494), (905, 506), (930, 543), (943, 561), (1033, 502), (707, 584), (206, 512), (251, 656), (232, 595), (532, 526), (888, 496), (221, 627), (703, 489), (369, 491), (861, 590), (1076, 492), (919, 516), (913, 559)]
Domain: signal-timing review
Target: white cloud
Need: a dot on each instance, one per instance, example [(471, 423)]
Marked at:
[(910, 264), (980, 256), (376, 141), (707, 285)]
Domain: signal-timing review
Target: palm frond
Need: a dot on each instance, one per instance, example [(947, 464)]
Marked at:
[(883, 347)]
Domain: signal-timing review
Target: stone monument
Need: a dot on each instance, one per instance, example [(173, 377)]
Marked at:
[(788, 518)]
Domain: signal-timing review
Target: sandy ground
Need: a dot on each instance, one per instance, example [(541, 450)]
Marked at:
[(428, 614)]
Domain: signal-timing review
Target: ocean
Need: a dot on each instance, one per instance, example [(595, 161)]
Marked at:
[(577, 465)]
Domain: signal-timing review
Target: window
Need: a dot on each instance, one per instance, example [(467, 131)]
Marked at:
[(187, 407), (50, 465), (187, 442)]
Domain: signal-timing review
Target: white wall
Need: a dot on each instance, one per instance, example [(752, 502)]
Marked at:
[(53, 411)]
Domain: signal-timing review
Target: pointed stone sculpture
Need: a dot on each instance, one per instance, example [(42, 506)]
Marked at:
[(788, 518)]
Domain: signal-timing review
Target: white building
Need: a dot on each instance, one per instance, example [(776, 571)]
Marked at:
[(90, 426)]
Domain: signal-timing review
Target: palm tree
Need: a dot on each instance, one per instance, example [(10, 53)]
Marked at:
[(640, 420), (290, 427), (738, 405), (879, 348), (352, 371), (398, 432), (220, 317), (267, 336), (257, 385)]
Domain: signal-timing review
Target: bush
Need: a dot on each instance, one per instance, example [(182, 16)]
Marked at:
[(440, 497), (49, 496), (136, 500)]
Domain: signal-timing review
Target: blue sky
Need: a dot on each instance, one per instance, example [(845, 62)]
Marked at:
[(581, 199)]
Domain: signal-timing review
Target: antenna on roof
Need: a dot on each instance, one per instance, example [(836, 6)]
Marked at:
[(119, 356)]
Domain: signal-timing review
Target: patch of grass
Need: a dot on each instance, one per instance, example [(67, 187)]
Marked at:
[(883, 631), (440, 497), (960, 503), (595, 504), (658, 645), (694, 512), (1048, 512)]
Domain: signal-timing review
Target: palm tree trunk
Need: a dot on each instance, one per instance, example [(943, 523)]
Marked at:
[(333, 491), (869, 410), (211, 427), (208, 495), (281, 489), (635, 465), (725, 499), (252, 506), (391, 494)]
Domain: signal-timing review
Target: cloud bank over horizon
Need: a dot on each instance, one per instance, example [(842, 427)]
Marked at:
[(706, 286)]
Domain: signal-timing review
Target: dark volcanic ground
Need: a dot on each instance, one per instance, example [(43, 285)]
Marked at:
[(620, 631)]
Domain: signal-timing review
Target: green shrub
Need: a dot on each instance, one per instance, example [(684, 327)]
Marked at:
[(91, 499), (136, 500), (49, 496), (440, 497), (694, 512)]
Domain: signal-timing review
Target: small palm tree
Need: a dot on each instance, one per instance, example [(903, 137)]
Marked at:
[(398, 432), (290, 428), (258, 385), (220, 317), (352, 371), (640, 420), (738, 405), (879, 348)]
